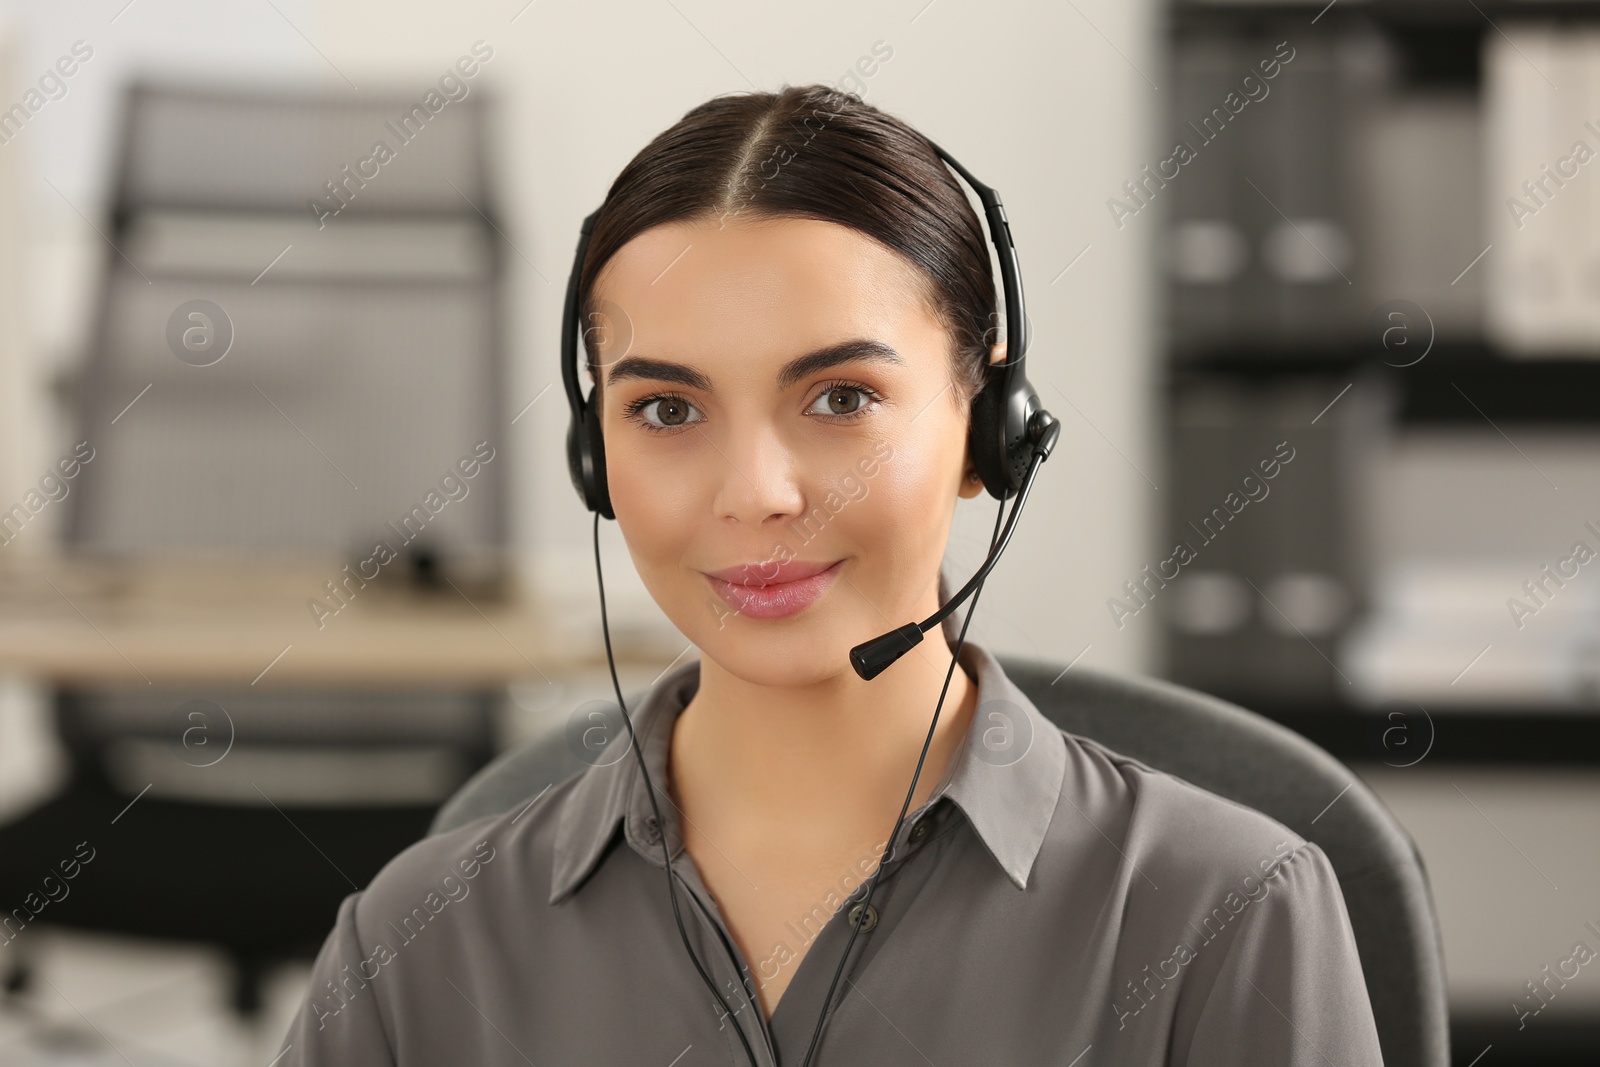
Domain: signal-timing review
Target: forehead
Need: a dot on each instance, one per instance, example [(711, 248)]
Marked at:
[(766, 289)]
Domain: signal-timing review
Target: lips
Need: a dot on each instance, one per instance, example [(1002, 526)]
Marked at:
[(771, 572), (771, 590)]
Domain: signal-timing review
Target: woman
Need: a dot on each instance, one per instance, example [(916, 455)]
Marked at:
[(797, 297)]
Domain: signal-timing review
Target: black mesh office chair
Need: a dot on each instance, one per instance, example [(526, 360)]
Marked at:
[(1217, 746), (298, 342)]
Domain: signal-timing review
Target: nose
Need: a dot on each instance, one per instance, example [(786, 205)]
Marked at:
[(758, 480)]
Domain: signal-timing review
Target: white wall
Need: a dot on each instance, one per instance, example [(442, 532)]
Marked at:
[(55, 178), (19, 430), (1043, 101)]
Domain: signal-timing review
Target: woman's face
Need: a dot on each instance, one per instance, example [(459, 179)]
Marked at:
[(726, 457)]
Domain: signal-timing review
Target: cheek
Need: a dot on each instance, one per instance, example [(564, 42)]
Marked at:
[(914, 477), (668, 537), (656, 508), (662, 510), (904, 508)]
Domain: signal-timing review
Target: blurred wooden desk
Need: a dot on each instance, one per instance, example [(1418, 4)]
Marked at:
[(75, 622)]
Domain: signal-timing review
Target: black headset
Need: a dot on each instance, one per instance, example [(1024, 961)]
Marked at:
[(1010, 434)]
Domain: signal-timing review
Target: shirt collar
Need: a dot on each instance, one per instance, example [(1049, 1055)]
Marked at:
[(1005, 777)]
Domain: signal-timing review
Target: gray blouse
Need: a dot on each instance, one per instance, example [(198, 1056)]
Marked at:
[(1053, 902)]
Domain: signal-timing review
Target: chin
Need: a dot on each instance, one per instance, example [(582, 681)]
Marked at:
[(801, 650)]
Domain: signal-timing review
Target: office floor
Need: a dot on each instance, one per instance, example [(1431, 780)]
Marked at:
[(97, 1000)]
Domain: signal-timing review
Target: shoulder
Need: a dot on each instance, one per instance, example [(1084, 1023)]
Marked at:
[(441, 906), (1170, 827), (505, 852), (1222, 898)]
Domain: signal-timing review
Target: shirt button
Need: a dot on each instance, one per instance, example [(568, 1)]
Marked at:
[(652, 831), (868, 923), (919, 831)]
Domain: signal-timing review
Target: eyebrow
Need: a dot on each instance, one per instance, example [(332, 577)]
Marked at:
[(856, 350)]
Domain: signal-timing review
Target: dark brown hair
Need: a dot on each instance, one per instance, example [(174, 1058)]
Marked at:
[(812, 152)]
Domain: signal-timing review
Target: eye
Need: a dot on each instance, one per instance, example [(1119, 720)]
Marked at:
[(845, 400), (673, 412)]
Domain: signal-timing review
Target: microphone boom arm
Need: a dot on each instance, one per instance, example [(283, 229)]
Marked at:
[(871, 658)]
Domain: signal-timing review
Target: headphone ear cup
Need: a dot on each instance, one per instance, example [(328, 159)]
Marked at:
[(998, 435), (600, 489), (985, 435), (586, 459), (578, 461)]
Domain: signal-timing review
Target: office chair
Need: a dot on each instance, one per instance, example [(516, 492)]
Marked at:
[(1219, 747), (295, 346)]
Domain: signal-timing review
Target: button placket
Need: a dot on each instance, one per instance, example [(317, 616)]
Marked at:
[(716, 949)]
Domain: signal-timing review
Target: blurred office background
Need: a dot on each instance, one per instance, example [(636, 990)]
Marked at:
[(1312, 289)]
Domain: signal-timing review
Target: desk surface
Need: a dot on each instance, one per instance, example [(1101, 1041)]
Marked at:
[(250, 623)]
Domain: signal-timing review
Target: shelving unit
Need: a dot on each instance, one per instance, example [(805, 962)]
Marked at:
[(1354, 178), (1546, 392), (1253, 359)]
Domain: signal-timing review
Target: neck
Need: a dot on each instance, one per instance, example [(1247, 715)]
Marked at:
[(831, 757)]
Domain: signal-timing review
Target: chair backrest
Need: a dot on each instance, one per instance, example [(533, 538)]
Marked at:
[(346, 357), (298, 353), (1221, 748)]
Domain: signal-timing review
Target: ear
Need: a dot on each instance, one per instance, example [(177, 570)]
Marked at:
[(970, 488)]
